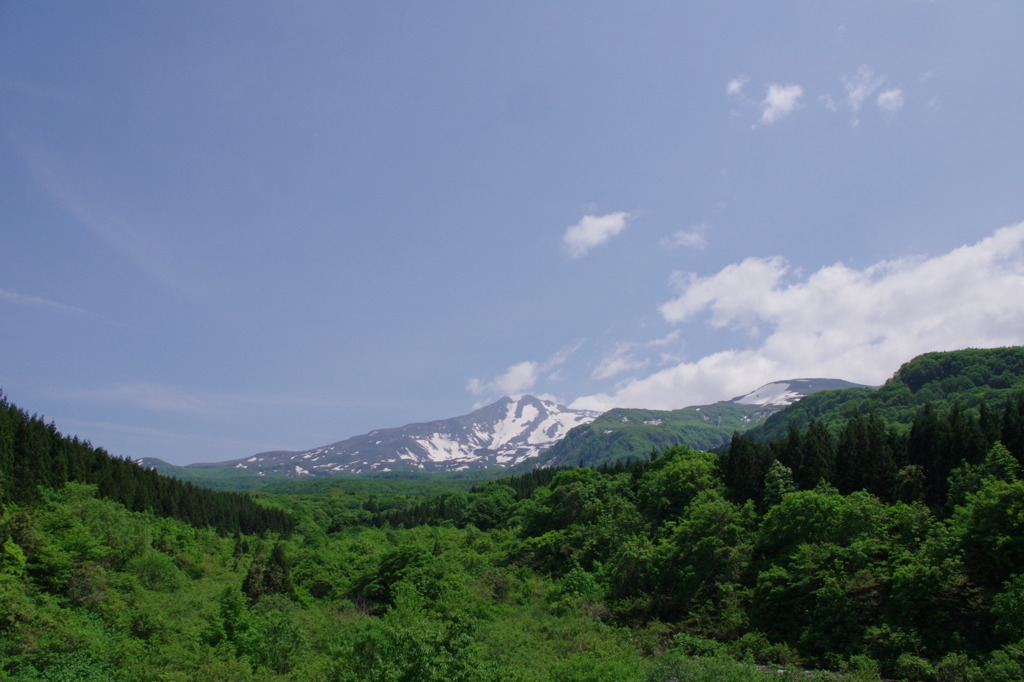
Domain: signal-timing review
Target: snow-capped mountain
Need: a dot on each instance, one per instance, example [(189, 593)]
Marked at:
[(504, 433)]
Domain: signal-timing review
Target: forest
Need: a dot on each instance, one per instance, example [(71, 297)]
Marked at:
[(878, 536)]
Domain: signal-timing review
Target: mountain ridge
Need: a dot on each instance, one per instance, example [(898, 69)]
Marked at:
[(501, 434), (968, 377), (512, 433), (624, 433)]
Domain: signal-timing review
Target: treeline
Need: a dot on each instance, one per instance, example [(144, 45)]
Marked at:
[(34, 455), (866, 453), (970, 378), (484, 506)]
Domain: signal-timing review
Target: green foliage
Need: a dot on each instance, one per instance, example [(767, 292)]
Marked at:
[(685, 565), (1005, 665), (405, 645), (777, 483), (1007, 607), (624, 434), (989, 527), (35, 457), (268, 575), (674, 480), (968, 377)]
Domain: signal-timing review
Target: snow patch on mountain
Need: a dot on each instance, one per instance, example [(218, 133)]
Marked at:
[(777, 393), (504, 433), (787, 392)]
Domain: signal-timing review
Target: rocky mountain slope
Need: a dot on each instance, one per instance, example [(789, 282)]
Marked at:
[(502, 434)]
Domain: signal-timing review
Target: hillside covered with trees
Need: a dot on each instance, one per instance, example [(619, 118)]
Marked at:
[(856, 543), (35, 456)]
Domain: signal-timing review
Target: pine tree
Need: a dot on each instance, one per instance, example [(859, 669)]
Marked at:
[(817, 456)]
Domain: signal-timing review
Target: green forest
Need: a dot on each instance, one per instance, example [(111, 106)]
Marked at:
[(860, 534)]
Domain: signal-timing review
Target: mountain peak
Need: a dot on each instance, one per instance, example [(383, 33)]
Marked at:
[(503, 433), (789, 391)]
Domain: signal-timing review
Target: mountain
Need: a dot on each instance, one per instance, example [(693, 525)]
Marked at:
[(502, 434), (620, 434), (526, 431)]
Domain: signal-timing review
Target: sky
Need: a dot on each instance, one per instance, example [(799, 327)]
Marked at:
[(236, 227)]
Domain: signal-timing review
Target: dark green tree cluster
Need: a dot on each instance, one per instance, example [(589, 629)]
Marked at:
[(34, 455), (866, 453), (485, 508)]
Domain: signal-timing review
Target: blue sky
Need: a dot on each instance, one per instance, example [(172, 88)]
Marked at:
[(242, 226)]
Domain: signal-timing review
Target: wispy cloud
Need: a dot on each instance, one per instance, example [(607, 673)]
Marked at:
[(841, 322), (40, 303), (619, 361), (861, 88), (779, 102), (135, 238), (693, 238), (632, 356), (189, 439), (169, 399), (592, 231), (521, 377), (148, 396)]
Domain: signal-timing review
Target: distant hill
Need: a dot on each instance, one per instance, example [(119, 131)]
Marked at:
[(34, 456), (969, 377), (212, 477), (621, 434)]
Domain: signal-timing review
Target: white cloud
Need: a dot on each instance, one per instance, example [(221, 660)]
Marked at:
[(890, 101), (519, 378), (732, 294), (693, 238), (840, 322), (780, 101), (522, 376), (735, 87), (592, 231)]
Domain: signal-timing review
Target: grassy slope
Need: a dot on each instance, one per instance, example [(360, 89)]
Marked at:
[(622, 434)]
